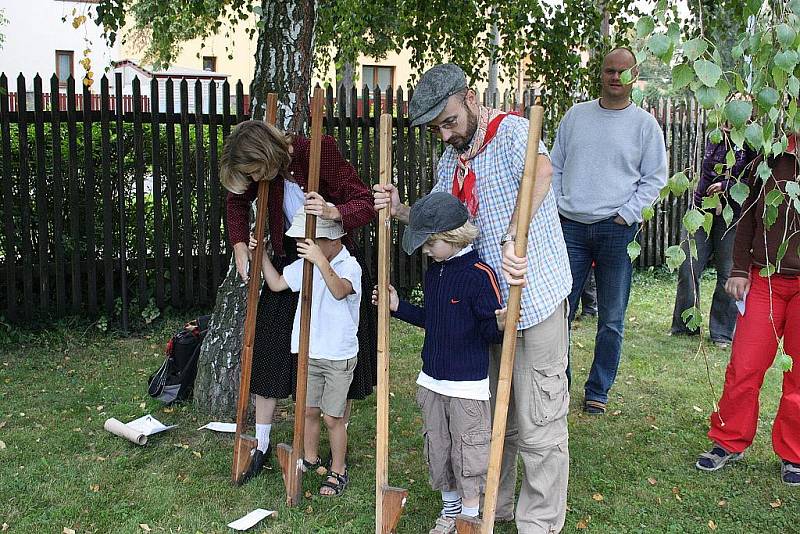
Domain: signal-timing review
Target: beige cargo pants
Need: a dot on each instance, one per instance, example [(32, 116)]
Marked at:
[(537, 427)]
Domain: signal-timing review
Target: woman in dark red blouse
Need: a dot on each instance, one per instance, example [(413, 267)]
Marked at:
[(256, 150)]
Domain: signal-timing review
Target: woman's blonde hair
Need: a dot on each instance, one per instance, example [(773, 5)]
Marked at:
[(458, 237), (253, 149)]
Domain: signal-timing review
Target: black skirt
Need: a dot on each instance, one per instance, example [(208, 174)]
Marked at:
[(274, 371)]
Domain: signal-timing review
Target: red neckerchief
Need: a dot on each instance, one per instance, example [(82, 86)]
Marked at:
[(465, 192)]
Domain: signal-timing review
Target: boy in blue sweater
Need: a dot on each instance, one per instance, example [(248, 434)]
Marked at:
[(463, 315)]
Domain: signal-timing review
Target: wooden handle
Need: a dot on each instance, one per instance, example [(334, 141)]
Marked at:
[(524, 209), (384, 242), (293, 481), (242, 444)]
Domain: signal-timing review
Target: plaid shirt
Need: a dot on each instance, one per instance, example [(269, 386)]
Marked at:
[(499, 170)]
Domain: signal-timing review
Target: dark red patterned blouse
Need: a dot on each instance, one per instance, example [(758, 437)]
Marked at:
[(338, 183)]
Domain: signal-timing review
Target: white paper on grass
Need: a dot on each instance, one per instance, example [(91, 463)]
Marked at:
[(149, 425), (251, 519), (137, 430), (216, 426)]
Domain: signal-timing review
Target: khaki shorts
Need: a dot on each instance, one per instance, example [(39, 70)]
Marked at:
[(457, 436), (328, 384)]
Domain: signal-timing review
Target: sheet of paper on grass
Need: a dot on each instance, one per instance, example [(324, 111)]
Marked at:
[(251, 519), (138, 430), (216, 426)]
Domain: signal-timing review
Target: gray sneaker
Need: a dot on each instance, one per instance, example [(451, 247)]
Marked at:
[(790, 473), (716, 458)]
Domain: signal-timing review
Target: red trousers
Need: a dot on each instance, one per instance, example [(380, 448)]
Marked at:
[(753, 351)]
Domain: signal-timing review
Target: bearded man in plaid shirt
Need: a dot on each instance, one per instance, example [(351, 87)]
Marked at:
[(482, 165)]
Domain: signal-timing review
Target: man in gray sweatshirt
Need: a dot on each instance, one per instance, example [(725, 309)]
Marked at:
[(609, 162)]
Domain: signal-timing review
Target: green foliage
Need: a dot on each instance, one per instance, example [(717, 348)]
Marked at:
[(555, 37), (164, 26), (675, 256), (682, 75), (695, 48), (762, 69), (644, 26), (693, 318), (661, 46), (738, 112), (711, 203), (374, 30), (150, 312), (784, 362), (693, 220), (739, 192), (634, 249), (678, 184)]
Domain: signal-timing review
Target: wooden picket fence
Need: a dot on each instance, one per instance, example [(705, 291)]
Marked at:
[(114, 214)]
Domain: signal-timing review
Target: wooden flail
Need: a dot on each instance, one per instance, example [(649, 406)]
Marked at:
[(389, 501), (243, 445), (290, 457)]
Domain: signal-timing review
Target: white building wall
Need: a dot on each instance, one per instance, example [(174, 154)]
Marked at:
[(176, 91), (35, 31)]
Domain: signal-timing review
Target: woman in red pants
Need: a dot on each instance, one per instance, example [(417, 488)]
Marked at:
[(771, 313)]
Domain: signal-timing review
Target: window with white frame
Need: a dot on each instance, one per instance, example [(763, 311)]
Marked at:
[(381, 76)]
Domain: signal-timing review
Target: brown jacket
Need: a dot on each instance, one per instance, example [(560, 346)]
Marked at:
[(755, 246)]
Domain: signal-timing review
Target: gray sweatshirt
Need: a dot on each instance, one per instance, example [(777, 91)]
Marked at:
[(607, 162)]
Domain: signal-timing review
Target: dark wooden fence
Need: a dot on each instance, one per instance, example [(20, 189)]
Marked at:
[(94, 102), (121, 214)]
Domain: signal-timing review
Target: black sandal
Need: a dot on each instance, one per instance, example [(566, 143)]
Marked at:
[(338, 486)]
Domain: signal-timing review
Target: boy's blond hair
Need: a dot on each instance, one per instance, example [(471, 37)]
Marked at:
[(458, 237), (253, 149)]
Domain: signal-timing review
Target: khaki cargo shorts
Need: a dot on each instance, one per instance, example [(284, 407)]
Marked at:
[(457, 436), (328, 384)]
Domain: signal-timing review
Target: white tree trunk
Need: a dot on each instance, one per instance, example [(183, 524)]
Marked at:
[(493, 99), (284, 57)]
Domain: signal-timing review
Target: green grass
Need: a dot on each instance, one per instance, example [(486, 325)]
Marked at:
[(59, 468)]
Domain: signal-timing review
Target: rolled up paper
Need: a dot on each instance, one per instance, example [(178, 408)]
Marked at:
[(118, 428)]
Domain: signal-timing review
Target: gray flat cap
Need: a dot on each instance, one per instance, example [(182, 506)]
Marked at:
[(434, 88), (433, 213)]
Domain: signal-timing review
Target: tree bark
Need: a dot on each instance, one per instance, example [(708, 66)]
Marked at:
[(284, 58), (216, 387)]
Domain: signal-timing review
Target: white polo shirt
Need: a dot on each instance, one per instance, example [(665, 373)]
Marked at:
[(334, 323)]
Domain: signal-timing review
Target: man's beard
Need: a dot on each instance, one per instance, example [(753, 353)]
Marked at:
[(461, 144)]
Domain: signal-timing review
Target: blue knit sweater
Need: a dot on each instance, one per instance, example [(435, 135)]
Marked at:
[(461, 296)]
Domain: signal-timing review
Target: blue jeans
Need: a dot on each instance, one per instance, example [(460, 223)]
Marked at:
[(606, 244), (722, 319)]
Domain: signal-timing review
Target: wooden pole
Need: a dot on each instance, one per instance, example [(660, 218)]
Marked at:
[(524, 209), (290, 457), (389, 501), (243, 445)]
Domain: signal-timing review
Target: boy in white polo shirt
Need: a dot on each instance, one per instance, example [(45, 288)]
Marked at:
[(333, 344)]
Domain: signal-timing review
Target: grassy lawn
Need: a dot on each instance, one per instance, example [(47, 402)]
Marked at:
[(631, 471)]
